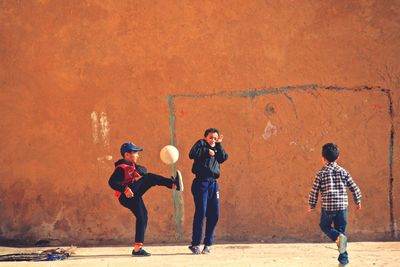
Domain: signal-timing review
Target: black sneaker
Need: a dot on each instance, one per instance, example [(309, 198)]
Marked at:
[(195, 249), (206, 250), (140, 253), (178, 182)]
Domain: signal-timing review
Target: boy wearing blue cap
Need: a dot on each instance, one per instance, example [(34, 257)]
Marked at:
[(130, 182)]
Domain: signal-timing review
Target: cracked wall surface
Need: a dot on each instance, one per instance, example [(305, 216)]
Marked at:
[(78, 78), (275, 153)]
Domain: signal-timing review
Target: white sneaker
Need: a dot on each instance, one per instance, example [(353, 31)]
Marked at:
[(341, 242)]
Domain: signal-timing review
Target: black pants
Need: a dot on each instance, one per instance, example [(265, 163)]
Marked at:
[(136, 204)]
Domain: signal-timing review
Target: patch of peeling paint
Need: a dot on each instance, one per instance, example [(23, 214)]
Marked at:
[(105, 129), (269, 131), (95, 123)]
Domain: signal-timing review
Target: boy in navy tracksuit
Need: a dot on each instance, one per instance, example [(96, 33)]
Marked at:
[(130, 181), (207, 154)]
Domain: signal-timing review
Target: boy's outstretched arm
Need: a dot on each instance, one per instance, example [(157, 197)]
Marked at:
[(313, 196), (355, 190), (198, 151)]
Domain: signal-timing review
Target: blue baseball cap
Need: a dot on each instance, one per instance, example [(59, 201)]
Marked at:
[(129, 147)]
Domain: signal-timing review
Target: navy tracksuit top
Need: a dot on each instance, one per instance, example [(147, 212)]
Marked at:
[(204, 165)]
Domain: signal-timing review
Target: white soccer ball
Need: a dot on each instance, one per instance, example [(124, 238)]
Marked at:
[(169, 154)]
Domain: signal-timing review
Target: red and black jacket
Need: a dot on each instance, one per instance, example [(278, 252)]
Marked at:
[(125, 175)]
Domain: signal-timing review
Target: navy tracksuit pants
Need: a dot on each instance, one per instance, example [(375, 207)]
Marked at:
[(136, 204), (206, 199)]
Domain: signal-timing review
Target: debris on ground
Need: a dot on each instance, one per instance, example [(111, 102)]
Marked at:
[(43, 255)]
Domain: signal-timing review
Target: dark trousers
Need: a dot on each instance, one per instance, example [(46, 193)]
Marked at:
[(206, 200), (339, 221), (136, 204)]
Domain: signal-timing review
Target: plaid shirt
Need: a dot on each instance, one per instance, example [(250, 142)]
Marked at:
[(332, 181)]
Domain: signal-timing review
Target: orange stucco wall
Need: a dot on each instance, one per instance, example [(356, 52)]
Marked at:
[(278, 78)]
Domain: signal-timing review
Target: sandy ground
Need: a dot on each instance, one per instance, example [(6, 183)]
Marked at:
[(323, 254)]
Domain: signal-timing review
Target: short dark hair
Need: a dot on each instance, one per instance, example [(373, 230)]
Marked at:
[(330, 152), (211, 130)]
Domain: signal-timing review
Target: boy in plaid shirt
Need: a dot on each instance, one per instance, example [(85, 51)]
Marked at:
[(332, 182)]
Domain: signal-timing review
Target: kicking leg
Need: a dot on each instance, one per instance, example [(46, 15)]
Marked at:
[(149, 180)]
